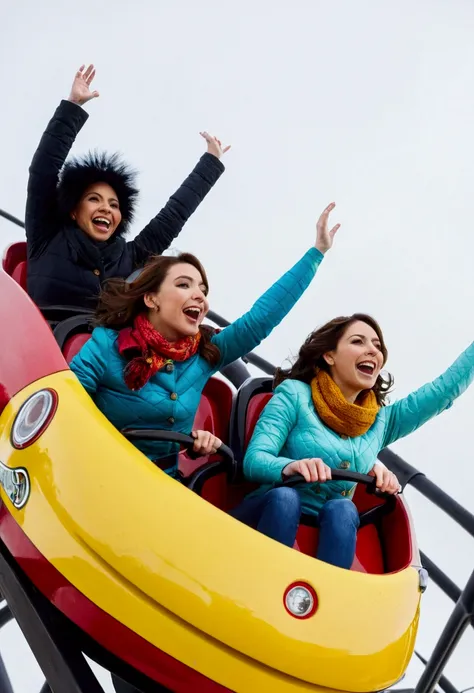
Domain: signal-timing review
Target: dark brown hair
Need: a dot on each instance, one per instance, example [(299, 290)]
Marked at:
[(121, 300), (326, 338)]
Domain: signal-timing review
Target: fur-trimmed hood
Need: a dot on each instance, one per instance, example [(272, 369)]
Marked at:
[(79, 173)]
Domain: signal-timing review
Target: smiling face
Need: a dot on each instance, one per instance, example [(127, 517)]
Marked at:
[(98, 212), (356, 362), (180, 305)]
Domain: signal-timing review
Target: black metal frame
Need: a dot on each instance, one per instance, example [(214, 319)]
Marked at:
[(61, 657)]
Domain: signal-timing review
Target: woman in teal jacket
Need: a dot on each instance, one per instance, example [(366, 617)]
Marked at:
[(147, 362), (328, 412)]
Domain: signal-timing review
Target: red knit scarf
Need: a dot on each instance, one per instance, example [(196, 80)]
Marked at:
[(148, 351)]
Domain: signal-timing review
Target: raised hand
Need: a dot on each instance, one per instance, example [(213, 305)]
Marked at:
[(80, 90), (214, 146), (325, 238)]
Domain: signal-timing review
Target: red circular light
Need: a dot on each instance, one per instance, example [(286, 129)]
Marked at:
[(300, 600)]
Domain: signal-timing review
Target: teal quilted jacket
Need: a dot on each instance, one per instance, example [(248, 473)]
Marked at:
[(289, 429), (171, 398)]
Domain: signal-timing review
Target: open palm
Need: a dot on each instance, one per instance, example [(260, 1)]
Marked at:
[(324, 237), (214, 145), (80, 90)]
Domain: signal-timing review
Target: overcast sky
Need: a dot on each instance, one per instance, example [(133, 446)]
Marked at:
[(369, 104)]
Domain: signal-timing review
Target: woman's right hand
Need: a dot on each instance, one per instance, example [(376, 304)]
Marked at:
[(205, 443), (312, 469), (325, 238), (80, 90), (214, 145)]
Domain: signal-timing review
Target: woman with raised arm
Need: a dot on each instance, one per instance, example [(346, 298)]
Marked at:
[(149, 359), (329, 412), (78, 212)]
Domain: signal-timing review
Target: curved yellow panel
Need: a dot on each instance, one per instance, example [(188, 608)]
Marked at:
[(190, 579)]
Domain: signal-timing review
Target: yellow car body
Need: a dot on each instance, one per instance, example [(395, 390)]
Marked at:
[(188, 578)]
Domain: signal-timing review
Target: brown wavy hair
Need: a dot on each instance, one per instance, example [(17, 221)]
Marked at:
[(326, 338), (121, 300)]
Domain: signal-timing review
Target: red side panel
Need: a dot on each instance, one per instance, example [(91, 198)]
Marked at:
[(29, 350), (369, 555), (396, 529), (254, 409), (107, 631)]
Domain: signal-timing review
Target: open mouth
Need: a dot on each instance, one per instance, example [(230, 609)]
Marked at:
[(366, 367), (102, 224), (193, 314)]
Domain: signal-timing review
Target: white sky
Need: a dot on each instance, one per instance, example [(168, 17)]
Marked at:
[(370, 104)]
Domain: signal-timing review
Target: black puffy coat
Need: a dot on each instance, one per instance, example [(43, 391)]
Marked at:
[(65, 265)]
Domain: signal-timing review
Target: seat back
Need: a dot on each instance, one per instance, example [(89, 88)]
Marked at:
[(73, 346), (71, 335), (214, 415), (251, 399), (248, 404), (256, 406), (14, 262)]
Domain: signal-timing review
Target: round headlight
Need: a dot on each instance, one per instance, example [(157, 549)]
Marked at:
[(33, 418), (300, 600)]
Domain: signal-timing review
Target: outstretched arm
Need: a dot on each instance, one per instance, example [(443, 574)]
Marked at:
[(262, 461), (251, 329), (54, 146), (408, 414), (158, 235)]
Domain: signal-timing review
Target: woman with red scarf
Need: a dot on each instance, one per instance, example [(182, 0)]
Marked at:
[(150, 357)]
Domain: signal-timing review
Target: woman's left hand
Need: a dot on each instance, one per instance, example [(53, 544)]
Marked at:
[(214, 146), (386, 481), (80, 90), (324, 237), (205, 443)]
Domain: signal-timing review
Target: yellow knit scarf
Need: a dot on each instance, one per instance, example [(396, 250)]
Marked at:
[(336, 412)]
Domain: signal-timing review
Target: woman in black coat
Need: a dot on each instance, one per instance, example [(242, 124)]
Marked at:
[(78, 213)]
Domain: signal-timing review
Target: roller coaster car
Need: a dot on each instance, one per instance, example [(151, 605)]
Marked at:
[(161, 583)]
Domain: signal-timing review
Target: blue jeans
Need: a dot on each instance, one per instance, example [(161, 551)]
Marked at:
[(275, 513), (338, 524)]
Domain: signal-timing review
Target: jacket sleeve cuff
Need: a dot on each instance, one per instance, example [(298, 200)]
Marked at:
[(72, 111), (273, 474), (315, 254), (212, 163)]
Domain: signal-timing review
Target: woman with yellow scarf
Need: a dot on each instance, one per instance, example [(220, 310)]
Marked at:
[(329, 412)]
